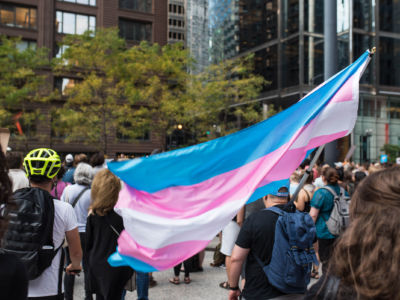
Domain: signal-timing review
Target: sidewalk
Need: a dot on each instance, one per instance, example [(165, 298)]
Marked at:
[(204, 284)]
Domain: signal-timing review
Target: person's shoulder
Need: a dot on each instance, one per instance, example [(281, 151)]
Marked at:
[(62, 205)]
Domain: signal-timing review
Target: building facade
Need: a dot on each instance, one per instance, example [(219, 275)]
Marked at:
[(44, 23), (286, 37), (176, 21)]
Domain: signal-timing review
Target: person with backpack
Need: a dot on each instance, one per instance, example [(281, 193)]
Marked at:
[(263, 239), (365, 262), (38, 226), (78, 195), (13, 276), (322, 205)]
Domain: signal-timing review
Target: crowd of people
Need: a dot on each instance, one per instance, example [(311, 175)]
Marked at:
[(57, 220)]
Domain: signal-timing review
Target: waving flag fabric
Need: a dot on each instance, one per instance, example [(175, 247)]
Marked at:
[(174, 203)]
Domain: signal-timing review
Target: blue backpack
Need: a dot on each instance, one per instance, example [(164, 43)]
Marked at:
[(293, 253)]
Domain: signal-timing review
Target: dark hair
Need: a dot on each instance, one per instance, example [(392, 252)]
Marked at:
[(358, 176), (38, 179), (5, 193), (14, 160), (331, 175), (348, 176), (80, 158), (61, 172), (97, 159), (367, 255)]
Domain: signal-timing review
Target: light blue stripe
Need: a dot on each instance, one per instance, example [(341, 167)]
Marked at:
[(267, 189), (197, 163), (119, 260)]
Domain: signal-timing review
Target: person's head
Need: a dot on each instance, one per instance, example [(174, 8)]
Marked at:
[(84, 174), (310, 177), (279, 194), (41, 167), (330, 176), (80, 158), (358, 176), (14, 160), (295, 177), (97, 159), (5, 193), (105, 191), (367, 255), (69, 159)]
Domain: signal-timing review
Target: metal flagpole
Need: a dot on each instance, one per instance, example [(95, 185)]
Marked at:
[(308, 171)]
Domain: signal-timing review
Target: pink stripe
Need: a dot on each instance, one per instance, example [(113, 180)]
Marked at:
[(216, 191), (163, 258), (345, 93)]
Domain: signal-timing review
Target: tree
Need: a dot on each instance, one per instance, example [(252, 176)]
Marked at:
[(22, 86), (146, 88), (226, 93), (393, 151), (94, 101)]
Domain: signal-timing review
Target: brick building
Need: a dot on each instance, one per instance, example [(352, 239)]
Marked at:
[(42, 23)]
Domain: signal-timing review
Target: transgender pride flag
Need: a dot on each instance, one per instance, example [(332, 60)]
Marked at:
[(174, 203)]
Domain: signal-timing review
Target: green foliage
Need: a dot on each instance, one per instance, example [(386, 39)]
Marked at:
[(224, 94), (21, 86), (392, 151), (146, 88)]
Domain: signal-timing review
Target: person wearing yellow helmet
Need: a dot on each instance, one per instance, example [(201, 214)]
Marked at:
[(39, 243)]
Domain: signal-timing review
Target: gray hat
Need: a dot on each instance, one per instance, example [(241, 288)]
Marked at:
[(84, 174)]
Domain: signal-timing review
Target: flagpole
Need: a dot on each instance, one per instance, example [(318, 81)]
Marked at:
[(308, 172), (316, 156)]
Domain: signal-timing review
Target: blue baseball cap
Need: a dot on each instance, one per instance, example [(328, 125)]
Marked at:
[(279, 188)]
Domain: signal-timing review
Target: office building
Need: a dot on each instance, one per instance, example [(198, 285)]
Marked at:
[(44, 23), (287, 39)]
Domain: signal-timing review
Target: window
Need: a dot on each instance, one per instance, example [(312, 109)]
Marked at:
[(24, 45), (70, 23), (18, 16), (62, 84), (389, 59), (84, 2), (139, 5), (135, 31)]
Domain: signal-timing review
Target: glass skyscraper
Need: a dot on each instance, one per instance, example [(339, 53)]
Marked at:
[(287, 38)]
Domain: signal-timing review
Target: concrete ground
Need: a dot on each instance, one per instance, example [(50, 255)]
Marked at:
[(204, 285)]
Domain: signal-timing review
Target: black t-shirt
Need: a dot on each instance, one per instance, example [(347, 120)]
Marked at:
[(13, 278), (258, 234)]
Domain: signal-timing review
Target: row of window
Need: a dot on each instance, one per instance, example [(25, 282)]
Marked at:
[(174, 8), (16, 16), (84, 2), (70, 23), (139, 5), (176, 36), (178, 23)]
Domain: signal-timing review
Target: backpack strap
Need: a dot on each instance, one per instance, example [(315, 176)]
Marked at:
[(60, 271), (79, 196), (276, 210), (331, 190)]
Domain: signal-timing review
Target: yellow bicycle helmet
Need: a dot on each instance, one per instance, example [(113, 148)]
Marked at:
[(42, 162)]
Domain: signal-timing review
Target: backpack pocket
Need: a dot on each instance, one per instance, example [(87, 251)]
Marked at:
[(46, 255), (298, 268)]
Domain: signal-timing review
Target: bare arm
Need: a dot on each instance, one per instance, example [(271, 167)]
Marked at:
[(75, 250), (300, 201), (238, 257), (314, 213), (240, 217)]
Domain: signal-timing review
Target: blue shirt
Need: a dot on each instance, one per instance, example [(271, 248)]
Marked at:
[(69, 176), (323, 200)]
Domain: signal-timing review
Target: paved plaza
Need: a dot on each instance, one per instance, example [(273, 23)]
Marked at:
[(204, 285)]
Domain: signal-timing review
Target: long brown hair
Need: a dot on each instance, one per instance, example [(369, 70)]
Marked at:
[(105, 191), (5, 194), (367, 255)]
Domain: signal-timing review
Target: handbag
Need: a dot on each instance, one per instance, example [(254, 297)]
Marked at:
[(131, 283)]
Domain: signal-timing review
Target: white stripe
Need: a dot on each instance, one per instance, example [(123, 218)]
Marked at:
[(157, 232), (335, 117)]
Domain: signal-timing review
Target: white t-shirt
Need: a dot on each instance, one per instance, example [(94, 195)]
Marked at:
[(82, 206), (47, 283), (18, 178)]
